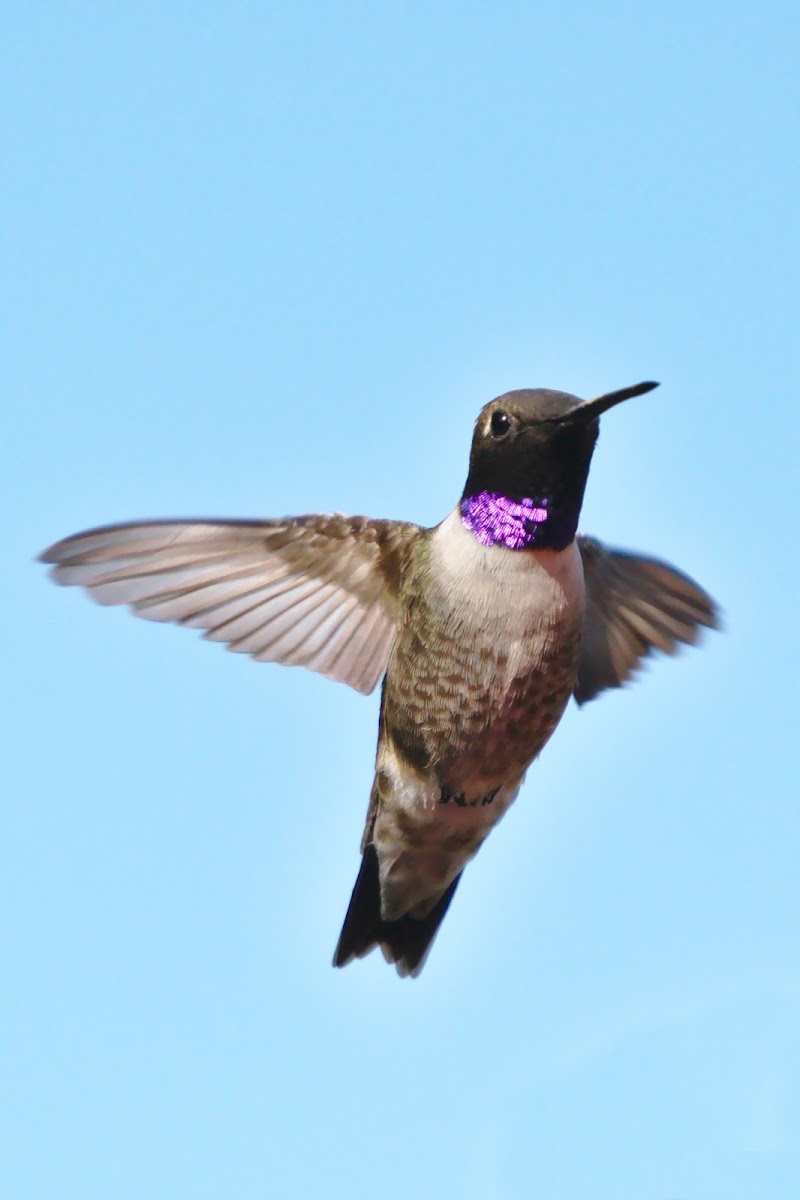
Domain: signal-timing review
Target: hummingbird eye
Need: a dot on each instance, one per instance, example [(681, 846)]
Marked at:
[(500, 424)]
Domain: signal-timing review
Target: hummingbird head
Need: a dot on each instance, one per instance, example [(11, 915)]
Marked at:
[(529, 463)]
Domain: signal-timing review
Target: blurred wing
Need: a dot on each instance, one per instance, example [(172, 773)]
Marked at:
[(634, 605), (316, 591)]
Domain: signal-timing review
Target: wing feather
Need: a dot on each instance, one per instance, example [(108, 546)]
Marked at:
[(316, 591), (634, 605)]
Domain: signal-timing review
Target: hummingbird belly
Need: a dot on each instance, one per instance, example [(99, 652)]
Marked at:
[(479, 677)]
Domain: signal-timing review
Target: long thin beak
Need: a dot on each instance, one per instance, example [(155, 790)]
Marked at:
[(593, 408)]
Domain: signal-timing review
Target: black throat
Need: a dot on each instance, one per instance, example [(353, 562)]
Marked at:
[(529, 494)]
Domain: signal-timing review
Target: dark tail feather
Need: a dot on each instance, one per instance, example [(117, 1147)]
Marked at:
[(405, 942)]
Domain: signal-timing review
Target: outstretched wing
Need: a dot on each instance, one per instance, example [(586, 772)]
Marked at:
[(314, 591), (634, 605)]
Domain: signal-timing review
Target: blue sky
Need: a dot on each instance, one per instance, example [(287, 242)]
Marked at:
[(272, 258)]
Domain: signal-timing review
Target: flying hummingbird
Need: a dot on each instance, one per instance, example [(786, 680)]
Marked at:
[(481, 629)]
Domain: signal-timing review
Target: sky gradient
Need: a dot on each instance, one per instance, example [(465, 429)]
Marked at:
[(273, 258)]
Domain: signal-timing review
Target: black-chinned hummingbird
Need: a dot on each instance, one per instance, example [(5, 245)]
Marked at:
[(481, 629)]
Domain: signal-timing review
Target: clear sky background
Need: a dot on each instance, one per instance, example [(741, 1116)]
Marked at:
[(270, 258)]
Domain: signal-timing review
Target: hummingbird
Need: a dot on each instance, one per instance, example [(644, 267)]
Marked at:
[(480, 628)]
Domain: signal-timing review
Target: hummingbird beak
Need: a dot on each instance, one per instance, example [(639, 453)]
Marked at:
[(590, 409)]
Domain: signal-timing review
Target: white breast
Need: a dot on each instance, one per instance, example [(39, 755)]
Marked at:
[(514, 594)]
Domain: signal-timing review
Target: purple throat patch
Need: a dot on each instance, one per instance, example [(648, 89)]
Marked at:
[(496, 520)]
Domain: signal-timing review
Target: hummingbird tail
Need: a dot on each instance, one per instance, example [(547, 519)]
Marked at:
[(404, 942)]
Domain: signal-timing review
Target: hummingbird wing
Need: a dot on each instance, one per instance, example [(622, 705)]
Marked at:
[(634, 605), (313, 591)]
